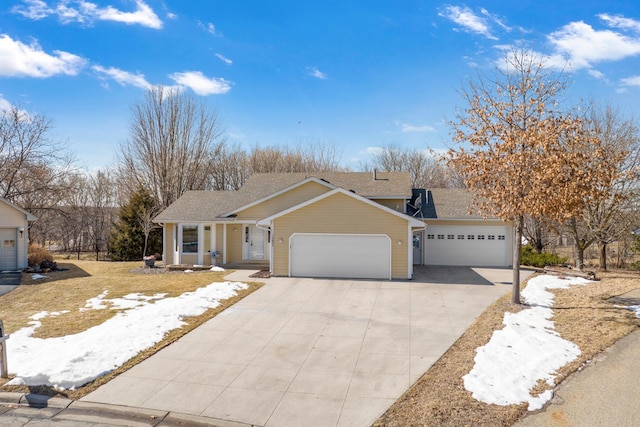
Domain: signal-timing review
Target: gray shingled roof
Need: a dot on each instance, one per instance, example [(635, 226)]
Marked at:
[(387, 184), (452, 203), (198, 206)]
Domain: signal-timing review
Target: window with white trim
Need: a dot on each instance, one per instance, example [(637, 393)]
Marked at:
[(491, 237), (480, 236), (470, 237), (189, 239), (501, 237), (440, 236), (460, 236), (450, 236), (431, 236)]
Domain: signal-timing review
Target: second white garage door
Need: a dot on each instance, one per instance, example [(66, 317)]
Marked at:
[(363, 256), (474, 246)]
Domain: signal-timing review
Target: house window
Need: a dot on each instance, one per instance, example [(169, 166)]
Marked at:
[(501, 237), (440, 236), (450, 236), (190, 239), (480, 236), (460, 236), (470, 237), (431, 236), (491, 237)]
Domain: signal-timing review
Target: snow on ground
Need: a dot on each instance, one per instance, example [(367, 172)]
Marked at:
[(73, 360), (527, 350), (635, 308)]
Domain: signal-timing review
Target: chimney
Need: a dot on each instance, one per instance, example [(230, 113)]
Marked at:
[(375, 174)]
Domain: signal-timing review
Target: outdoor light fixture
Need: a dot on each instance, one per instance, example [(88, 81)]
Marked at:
[(399, 242), (21, 230), (280, 240)]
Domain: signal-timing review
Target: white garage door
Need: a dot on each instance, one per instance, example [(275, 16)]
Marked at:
[(474, 246), (364, 256)]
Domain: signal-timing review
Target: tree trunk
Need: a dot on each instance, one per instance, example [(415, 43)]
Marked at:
[(602, 249), (579, 245), (517, 248)]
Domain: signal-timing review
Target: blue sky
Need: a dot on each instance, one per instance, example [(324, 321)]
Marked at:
[(355, 74)]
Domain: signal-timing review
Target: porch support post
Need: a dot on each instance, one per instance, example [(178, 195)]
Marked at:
[(224, 243), (200, 243), (410, 252), (179, 260)]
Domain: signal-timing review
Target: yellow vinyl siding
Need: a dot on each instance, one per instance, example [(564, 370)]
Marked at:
[(190, 259), (341, 214), (395, 204), (284, 201), (234, 242), (220, 241), (169, 243)]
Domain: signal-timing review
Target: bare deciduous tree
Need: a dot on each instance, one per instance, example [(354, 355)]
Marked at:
[(519, 153), (425, 169), (33, 167), (612, 217), (172, 143)]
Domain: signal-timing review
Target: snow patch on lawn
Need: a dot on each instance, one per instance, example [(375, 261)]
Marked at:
[(527, 350), (74, 360)]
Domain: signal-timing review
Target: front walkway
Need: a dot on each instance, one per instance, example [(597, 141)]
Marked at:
[(311, 351)]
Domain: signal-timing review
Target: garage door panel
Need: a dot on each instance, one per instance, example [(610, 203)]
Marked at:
[(340, 255), (467, 245)]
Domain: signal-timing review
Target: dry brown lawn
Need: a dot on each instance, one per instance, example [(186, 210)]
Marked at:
[(582, 314), (70, 289)]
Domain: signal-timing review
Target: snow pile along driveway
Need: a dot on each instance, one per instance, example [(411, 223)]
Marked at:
[(527, 350), (73, 360)]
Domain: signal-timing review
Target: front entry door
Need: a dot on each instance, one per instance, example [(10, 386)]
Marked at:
[(417, 247), (254, 243), (257, 242)]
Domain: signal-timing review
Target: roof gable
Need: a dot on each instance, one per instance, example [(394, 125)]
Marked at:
[(279, 192), (29, 216), (412, 221)]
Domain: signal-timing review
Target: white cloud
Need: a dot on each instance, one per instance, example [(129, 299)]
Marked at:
[(22, 60), (583, 46), (201, 84), (86, 12), (596, 73), (124, 78), (620, 22), (208, 27), (314, 72), (631, 81), (405, 127), (223, 59), (33, 9), (469, 21)]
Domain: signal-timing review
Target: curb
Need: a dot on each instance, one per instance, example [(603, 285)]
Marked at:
[(58, 409)]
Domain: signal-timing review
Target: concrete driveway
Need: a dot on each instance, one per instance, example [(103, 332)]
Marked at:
[(311, 351)]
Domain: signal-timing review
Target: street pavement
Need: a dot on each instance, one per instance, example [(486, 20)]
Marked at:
[(605, 393)]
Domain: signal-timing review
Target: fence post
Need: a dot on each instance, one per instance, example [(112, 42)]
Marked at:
[(3, 353)]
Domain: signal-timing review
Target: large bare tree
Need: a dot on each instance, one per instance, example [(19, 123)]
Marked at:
[(518, 152), (426, 170), (33, 166), (611, 217), (173, 139)]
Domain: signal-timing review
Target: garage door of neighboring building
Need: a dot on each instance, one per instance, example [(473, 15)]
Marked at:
[(366, 256), (8, 249), (474, 246)]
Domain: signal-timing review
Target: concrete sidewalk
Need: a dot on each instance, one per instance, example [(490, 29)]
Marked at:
[(605, 393), (309, 351)]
